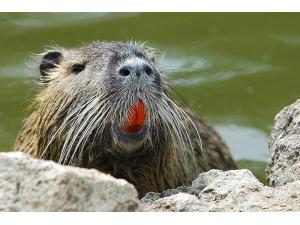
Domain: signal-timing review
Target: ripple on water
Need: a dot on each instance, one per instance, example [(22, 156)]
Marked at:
[(195, 71), (289, 40), (42, 20)]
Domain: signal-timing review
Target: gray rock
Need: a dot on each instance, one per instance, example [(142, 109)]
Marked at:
[(150, 197), (181, 202), (284, 144), (28, 184), (203, 180), (235, 190)]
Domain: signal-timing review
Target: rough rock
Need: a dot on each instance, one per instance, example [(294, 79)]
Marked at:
[(28, 184), (235, 190), (284, 145)]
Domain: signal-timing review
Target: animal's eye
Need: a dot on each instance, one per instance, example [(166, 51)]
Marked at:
[(77, 68)]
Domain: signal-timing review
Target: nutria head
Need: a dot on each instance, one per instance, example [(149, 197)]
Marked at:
[(106, 98)]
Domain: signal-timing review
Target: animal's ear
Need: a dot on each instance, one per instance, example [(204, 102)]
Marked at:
[(49, 61)]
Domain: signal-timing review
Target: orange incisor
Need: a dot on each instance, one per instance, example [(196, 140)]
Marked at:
[(136, 117)]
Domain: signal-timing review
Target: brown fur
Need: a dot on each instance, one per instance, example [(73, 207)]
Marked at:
[(151, 168)]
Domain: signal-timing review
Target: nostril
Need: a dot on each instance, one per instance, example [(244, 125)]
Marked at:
[(148, 70), (124, 71)]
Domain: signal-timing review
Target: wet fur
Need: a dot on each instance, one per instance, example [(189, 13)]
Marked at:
[(73, 119)]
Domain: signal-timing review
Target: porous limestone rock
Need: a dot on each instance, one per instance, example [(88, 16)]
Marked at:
[(284, 145), (235, 190), (27, 184)]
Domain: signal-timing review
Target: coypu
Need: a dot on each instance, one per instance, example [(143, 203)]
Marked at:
[(106, 106)]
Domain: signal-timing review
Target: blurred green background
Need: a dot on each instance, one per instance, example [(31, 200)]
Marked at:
[(235, 69)]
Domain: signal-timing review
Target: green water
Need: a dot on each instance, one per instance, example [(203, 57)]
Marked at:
[(235, 69)]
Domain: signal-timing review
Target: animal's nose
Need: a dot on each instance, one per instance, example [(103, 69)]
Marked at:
[(136, 69)]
